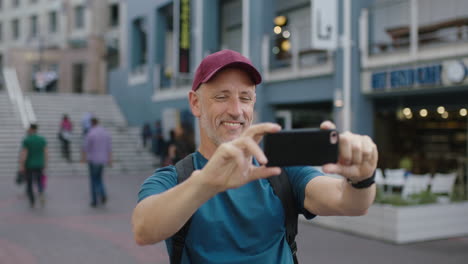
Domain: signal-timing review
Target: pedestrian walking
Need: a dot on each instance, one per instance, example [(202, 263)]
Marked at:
[(217, 205), (97, 152), (180, 146), (86, 122), (64, 135), (33, 162), (146, 134), (158, 143)]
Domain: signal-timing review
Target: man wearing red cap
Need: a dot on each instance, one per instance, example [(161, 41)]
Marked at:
[(235, 216)]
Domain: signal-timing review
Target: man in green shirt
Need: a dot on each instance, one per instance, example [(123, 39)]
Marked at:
[(33, 160)]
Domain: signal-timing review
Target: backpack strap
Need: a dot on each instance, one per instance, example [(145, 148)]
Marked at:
[(184, 169), (282, 188)]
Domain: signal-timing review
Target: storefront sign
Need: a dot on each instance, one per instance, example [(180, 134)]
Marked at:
[(324, 21), (184, 39), (406, 78)]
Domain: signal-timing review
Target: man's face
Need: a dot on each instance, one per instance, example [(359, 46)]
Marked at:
[(225, 106)]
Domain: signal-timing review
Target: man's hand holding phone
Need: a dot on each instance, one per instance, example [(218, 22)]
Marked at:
[(350, 155), (357, 158)]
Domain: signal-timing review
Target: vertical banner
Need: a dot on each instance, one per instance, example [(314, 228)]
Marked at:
[(324, 24), (184, 36)]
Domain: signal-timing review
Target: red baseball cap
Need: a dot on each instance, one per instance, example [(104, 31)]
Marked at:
[(220, 60)]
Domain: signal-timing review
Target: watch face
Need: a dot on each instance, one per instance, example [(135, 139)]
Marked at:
[(456, 71)]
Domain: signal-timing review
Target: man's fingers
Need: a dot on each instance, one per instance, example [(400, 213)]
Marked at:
[(366, 148), (257, 131), (346, 153), (356, 148), (327, 125), (252, 148), (349, 172), (331, 168), (264, 172)]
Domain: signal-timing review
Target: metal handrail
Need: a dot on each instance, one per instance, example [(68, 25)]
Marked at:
[(22, 103)]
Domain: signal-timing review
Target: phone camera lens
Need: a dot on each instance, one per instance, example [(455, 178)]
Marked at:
[(333, 137)]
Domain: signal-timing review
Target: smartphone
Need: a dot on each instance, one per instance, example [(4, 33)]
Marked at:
[(296, 147)]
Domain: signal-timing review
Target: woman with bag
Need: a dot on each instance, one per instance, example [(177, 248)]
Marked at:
[(64, 135)]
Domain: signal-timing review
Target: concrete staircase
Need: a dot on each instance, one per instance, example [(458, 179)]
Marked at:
[(11, 134), (128, 156)]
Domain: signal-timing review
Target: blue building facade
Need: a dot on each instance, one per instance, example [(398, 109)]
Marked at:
[(301, 84), (406, 76)]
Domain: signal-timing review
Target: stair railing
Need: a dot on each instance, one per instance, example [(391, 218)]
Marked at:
[(22, 103)]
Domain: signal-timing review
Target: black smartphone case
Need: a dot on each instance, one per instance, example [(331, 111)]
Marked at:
[(300, 147)]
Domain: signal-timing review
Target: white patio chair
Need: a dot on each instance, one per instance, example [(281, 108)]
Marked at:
[(443, 183), (379, 178), (394, 178), (416, 183)]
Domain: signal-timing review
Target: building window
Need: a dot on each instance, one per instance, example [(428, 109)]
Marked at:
[(437, 23), (53, 22), (33, 1), (140, 46), (1, 4), (164, 54), (1, 75), (78, 72), (114, 15), (1, 32), (15, 3), (15, 29), (231, 25), (79, 17), (113, 56), (33, 26)]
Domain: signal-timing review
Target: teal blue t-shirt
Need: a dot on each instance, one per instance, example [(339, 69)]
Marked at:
[(242, 225)]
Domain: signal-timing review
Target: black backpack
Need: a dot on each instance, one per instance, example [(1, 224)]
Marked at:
[(282, 189)]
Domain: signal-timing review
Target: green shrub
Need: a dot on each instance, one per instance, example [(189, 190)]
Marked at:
[(425, 197)]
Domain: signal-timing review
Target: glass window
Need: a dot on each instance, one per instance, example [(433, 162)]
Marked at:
[(15, 28), (442, 21), (140, 47), (79, 17), (299, 23), (113, 56), (114, 15), (1, 32), (166, 40), (1, 75), (33, 26), (386, 20), (231, 25), (15, 3), (78, 77), (53, 22)]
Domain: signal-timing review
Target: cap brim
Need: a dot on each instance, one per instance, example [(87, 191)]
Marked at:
[(249, 69)]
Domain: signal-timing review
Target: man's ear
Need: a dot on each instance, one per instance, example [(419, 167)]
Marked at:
[(194, 102)]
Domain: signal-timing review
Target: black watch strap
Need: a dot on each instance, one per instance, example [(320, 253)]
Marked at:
[(364, 183)]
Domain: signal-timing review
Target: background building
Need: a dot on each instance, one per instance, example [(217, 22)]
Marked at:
[(168, 39), (398, 72), (414, 68), (60, 45)]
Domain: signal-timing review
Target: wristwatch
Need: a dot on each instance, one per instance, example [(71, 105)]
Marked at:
[(364, 183)]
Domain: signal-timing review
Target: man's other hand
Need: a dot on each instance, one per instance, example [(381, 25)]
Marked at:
[(231, 164), (358, 156)]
